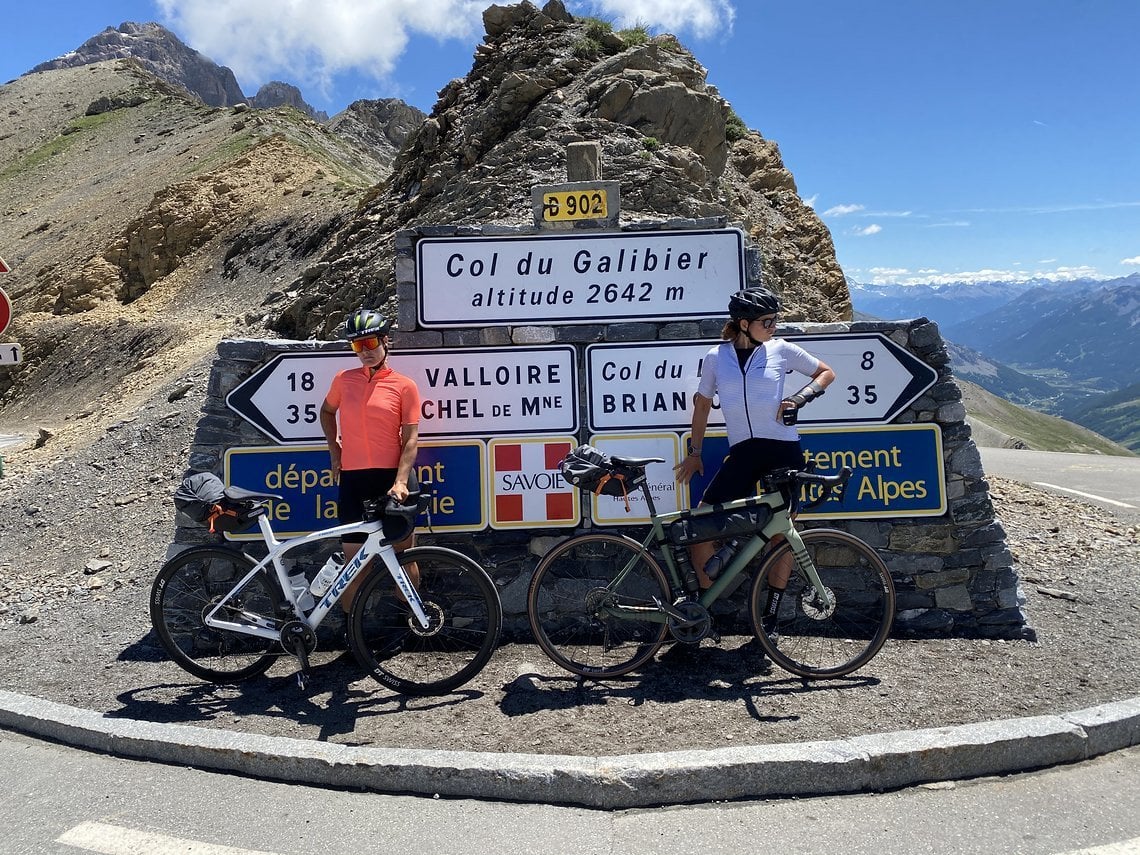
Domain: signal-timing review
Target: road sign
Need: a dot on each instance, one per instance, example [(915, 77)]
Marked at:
[(898, 469), (576, 278), (478, 391), (4, 268), (651, 384), (451, 472), (5, 311), (875, 379), (11, 353)]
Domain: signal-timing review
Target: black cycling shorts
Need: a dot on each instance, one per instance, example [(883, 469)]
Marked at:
[(359, 485), (747, 463)]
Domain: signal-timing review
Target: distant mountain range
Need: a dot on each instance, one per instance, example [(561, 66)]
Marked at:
[(1067, 348)]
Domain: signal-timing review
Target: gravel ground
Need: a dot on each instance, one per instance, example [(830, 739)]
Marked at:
[(74, 629)]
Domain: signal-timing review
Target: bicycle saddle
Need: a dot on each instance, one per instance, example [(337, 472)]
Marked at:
[(635, 462), (240, 493)]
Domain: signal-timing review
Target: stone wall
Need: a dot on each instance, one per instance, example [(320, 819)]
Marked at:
[(953, 573)]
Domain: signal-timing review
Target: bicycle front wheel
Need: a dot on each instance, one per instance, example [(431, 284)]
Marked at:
[(191, 584), (569, 594), (465, 621), (815, 638)]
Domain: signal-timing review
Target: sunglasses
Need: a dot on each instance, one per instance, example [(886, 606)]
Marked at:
[(767, 323), (362, 344)]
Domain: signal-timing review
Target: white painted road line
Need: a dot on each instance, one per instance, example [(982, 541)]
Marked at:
[(116, 840), (1092, 496), (1125, 847)]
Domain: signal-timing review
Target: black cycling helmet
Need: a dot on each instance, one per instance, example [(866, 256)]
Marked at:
[(752, 303), (364, 323)]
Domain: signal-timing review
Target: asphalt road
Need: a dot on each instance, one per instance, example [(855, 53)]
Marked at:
[(1112, 483), (64, 801)]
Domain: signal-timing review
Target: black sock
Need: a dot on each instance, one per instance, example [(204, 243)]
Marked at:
[(773, 604)]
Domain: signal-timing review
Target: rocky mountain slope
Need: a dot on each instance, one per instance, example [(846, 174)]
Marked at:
[(541, 80), (144, 225), (161, 53)]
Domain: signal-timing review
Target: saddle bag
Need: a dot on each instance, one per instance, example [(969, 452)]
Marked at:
[(594, 472), (202, 497)]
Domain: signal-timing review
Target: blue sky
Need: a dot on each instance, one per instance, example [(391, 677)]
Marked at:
[(973, 139)]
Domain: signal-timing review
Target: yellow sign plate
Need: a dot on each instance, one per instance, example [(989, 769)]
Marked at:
[(568, 205)]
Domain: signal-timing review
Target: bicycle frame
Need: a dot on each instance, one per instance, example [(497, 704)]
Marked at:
[(779, 524), (374, 545)]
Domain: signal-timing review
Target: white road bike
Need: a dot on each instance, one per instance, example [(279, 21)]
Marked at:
[(225, 617)]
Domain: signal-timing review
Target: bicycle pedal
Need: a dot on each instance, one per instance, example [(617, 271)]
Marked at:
[(302, 680)]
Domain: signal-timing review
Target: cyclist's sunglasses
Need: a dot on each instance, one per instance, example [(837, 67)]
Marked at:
[(362, 344), (767, 323)]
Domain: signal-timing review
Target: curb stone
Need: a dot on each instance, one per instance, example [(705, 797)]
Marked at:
[(871, 762)]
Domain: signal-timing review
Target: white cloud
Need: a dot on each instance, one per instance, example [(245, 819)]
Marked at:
[(842, 210), (1134, 260), (702, 18), (811, 200), (867, 231), (311, 42), (951, 224)]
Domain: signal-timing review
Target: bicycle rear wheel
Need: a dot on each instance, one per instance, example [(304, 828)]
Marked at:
[(188, 586), (570, 588), (465, 614), (814, 639)]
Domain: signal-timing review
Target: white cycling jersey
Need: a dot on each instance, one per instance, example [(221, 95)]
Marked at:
[(750, 398)]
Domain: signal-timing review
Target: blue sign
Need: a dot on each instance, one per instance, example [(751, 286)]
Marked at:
[(898, 470), (450, 471)]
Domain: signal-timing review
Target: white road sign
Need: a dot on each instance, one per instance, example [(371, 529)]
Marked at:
[(11, 353), (575, 278), (464, 391), (651, 384)]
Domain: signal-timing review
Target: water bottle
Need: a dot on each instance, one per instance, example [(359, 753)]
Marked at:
[(300, 586), (327, 575), (720, 559)]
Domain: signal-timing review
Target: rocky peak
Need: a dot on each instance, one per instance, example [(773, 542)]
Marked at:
[(278, 94), (161, 53), (540, 80), (381, 126)]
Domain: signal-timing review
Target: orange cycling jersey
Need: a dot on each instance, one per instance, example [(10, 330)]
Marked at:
[(371, 411)]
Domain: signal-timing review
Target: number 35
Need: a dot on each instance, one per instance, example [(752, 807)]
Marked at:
[(867, 395)]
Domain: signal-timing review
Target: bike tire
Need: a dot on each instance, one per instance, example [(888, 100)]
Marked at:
[(186, 587), (467, 621), (824, 643), (569, 585)]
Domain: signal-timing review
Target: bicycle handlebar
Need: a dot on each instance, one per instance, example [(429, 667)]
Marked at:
[(794, 478)]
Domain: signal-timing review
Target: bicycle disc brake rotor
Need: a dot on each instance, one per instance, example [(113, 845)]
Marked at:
[(816, 609), (434, 612), (697, 624)]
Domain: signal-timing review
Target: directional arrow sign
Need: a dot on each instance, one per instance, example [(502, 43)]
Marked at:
[(477, 391), (876, 379), (650, 384), (11, 353)]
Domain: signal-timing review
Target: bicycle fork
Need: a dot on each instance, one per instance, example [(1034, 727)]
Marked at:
[(807, 567)]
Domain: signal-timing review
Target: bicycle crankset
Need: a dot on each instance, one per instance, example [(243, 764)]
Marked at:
[(689, 621), (299, 640)]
